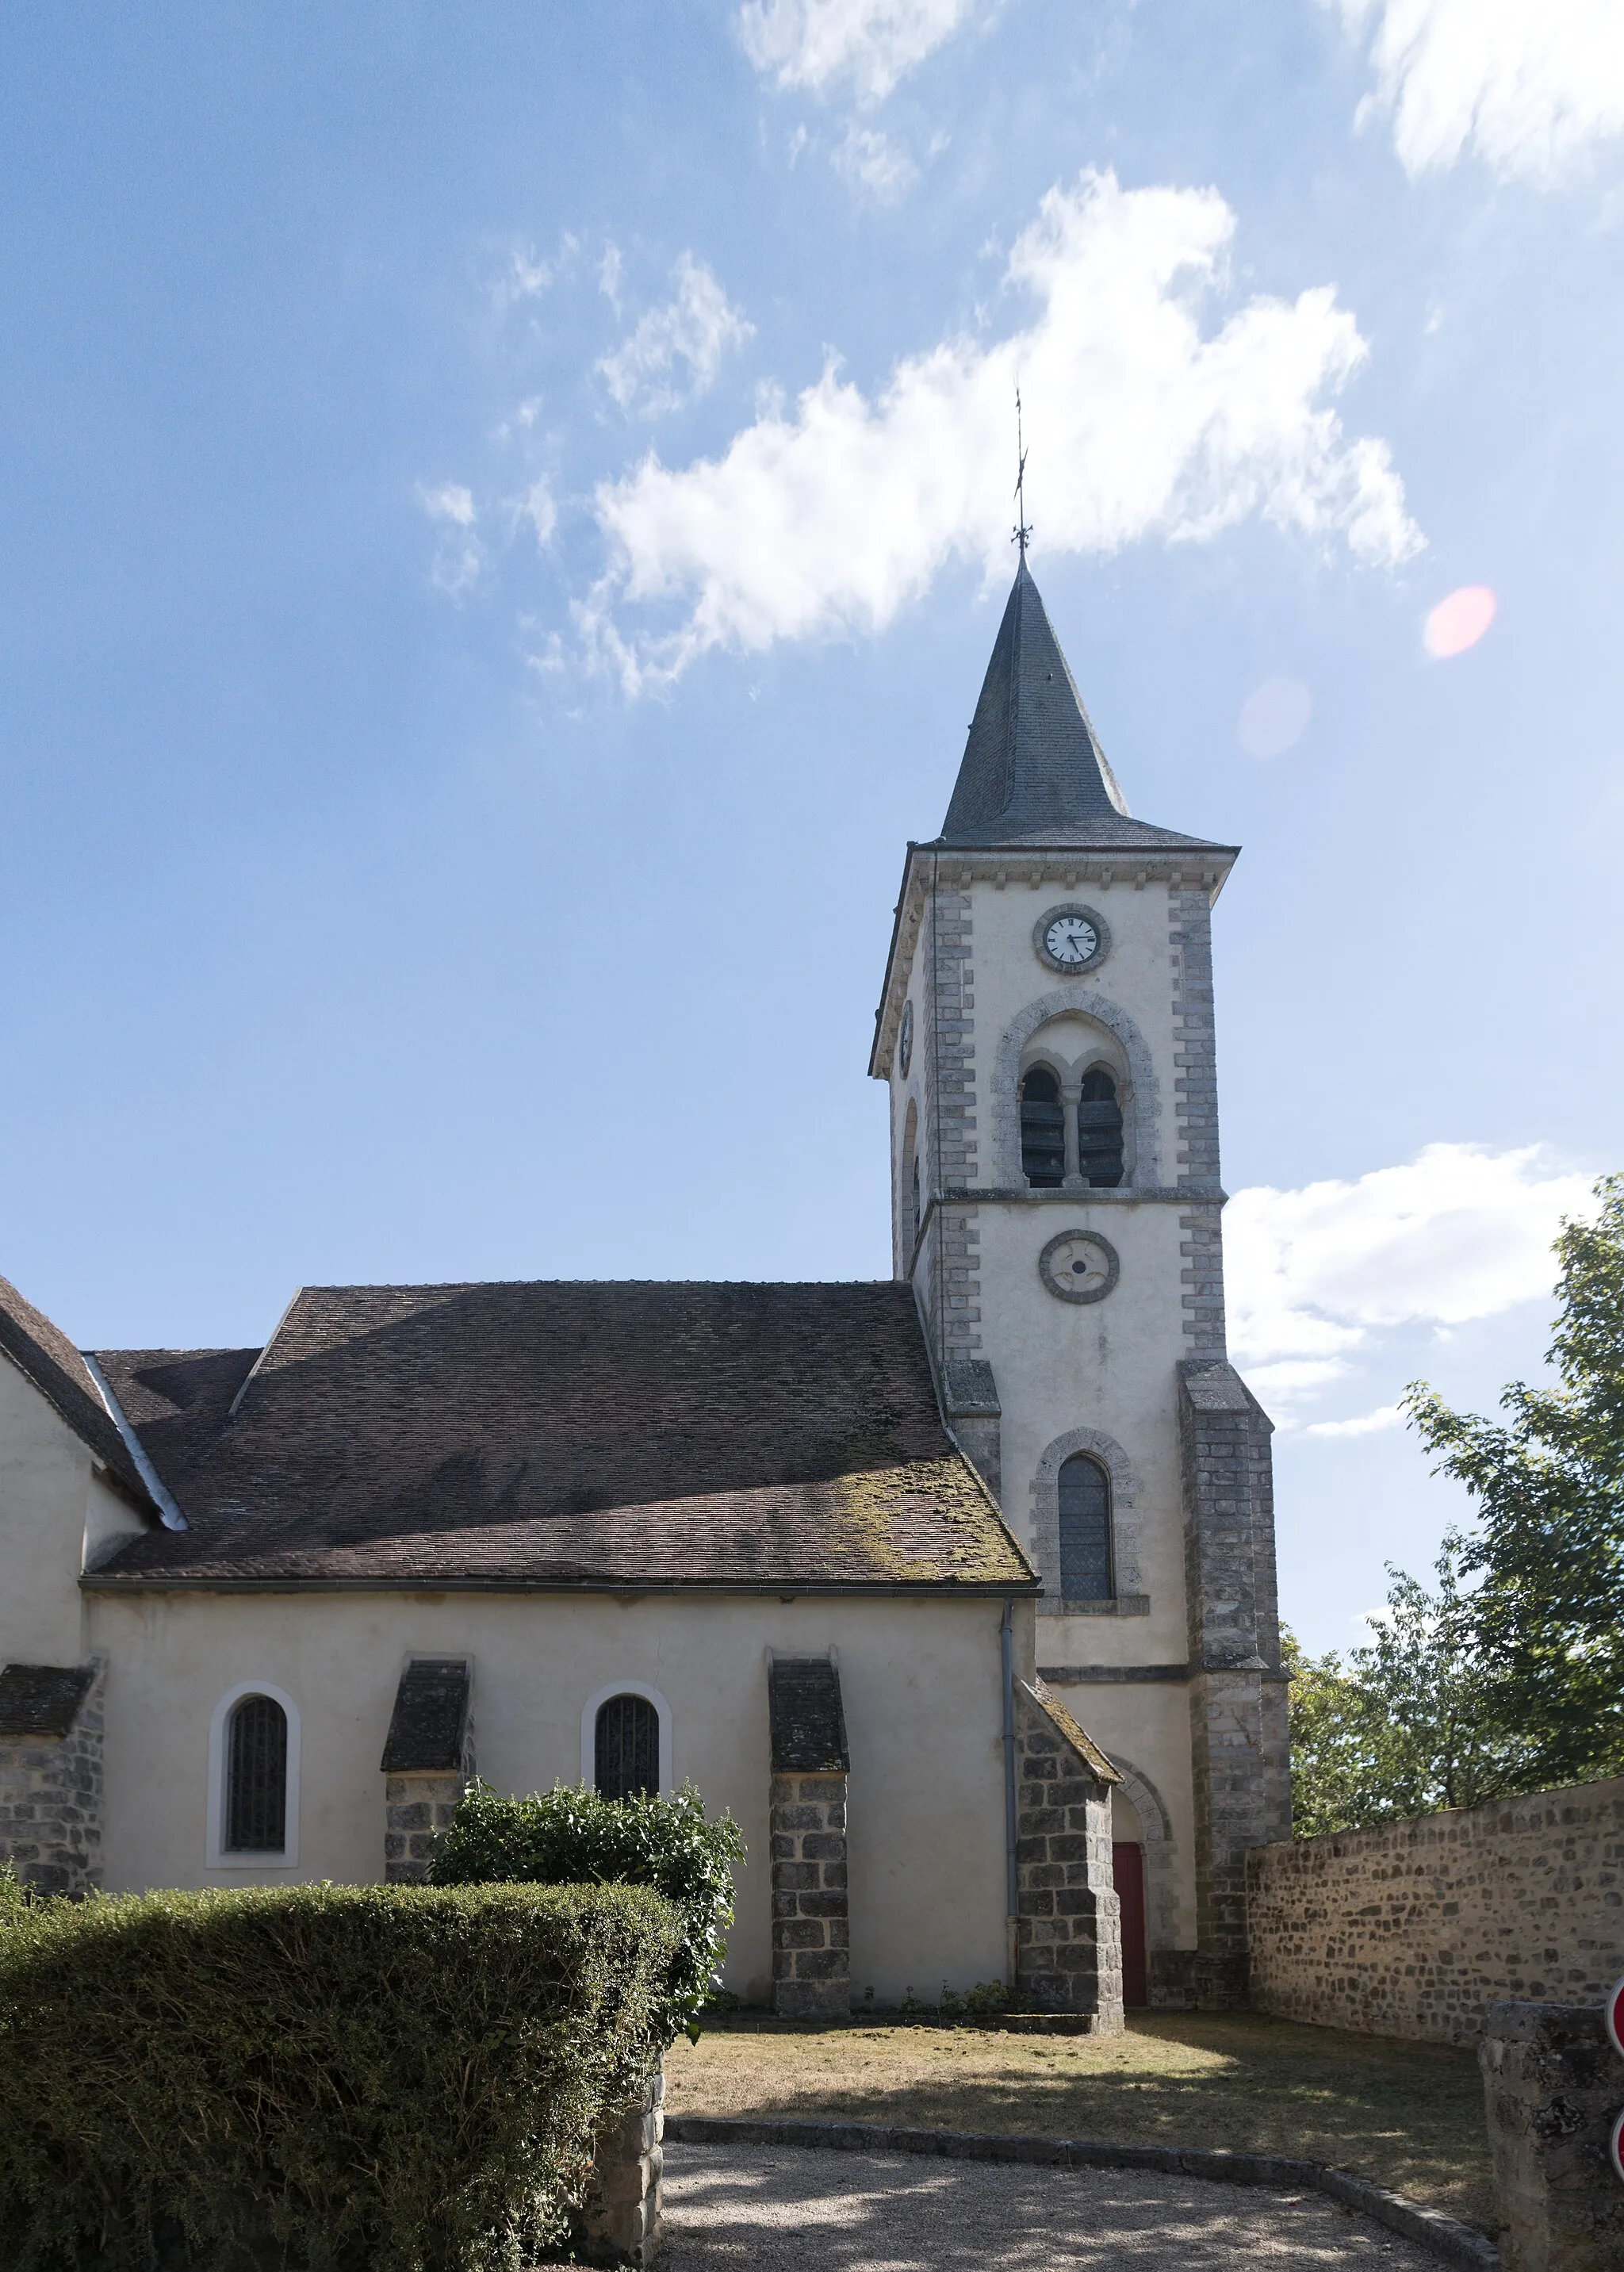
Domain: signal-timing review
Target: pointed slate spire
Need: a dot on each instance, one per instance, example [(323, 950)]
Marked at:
[(1033, 771)]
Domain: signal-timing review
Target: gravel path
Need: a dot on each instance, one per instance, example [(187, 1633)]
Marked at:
[(774, 2208)]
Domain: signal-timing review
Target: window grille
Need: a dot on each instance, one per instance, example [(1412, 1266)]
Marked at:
[(1085, 1531), (1042, 1130), (1099, 1131), (257, 1778), (628, 1748)]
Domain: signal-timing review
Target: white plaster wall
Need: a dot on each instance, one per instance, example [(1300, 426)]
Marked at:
[(49, 1503), (921, 1682)]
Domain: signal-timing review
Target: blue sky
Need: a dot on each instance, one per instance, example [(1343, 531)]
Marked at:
[(503, 514)]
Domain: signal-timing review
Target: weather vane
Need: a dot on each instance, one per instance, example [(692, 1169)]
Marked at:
[(1022, 529)]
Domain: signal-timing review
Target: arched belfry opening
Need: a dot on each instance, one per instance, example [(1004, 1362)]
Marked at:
[(1042, 1130), (1099, 1131)]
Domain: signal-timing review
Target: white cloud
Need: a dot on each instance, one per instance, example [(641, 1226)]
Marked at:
[(874, 163), (695, 329), (836, 513), (1459, 1232), (1525, 84), (459, 556), (870, 44), (537, 506), (1366, 1423)]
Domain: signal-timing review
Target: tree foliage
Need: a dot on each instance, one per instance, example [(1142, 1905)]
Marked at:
[(1548, 1615), (1509, 1675)]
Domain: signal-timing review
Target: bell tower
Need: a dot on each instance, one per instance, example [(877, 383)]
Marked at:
[(1047, 1031)]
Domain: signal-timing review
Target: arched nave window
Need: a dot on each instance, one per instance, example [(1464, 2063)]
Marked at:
[(1042, 1130), (1086, 1573), (257, 1778), (626, 1748), (1099, 1131)]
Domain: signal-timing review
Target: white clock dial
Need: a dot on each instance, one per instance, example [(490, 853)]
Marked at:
[(1072, 939)]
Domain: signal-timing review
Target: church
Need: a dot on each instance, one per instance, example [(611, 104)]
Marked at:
[(956, 1589)]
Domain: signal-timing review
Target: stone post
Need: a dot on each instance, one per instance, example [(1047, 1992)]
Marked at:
[(812, 1933), (428, 1762), (1552, 2088), (51, 1775), (622, 2222), (1069, 1930), (1238, 1736)]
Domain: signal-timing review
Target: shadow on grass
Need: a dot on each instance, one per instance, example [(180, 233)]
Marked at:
[(1409, 2115)]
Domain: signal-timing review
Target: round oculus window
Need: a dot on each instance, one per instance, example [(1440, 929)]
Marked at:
[(905, 1040), (1071, 939), (1079, 1266)]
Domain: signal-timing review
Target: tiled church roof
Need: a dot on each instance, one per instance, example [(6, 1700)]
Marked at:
[(565, 1434), (1033, 771), (43, 1352)]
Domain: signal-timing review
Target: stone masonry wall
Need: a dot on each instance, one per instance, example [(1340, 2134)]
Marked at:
[(50, 1802), (416, 1808), (1069, 1930), (812, 1934), (1414, 1928)]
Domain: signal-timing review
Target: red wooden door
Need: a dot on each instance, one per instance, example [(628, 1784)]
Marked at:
[(1127, 1871)]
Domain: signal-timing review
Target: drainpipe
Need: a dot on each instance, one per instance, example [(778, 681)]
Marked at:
[(1012, 1884)]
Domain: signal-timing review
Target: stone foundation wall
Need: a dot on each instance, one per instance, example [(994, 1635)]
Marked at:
[(50, 1801), (812, 1933), (1415, 1928)]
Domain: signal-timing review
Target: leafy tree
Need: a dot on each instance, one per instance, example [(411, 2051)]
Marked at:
[(1547, 1619), (1410, 1724)]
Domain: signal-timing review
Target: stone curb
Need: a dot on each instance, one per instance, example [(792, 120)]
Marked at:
[(1443, 2236)]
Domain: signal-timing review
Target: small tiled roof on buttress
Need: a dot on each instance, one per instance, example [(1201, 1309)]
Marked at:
[(1033, 771), (564, 1434)]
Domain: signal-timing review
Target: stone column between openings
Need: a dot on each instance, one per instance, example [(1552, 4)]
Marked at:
[(1069, 1920), (428, 1762)]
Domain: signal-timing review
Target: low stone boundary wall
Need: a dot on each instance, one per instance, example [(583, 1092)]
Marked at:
[(1415, 1928), (1445, 2237)]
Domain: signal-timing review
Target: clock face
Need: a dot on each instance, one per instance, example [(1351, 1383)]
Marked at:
[(1079, 1266), (1072, 939), (905, 1040)]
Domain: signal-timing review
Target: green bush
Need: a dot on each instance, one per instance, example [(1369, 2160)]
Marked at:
[(347, 2079), (572, 1835)]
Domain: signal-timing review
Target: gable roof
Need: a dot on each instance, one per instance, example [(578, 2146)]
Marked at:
[(561, 1434), (1033, 771), (44, 1355)]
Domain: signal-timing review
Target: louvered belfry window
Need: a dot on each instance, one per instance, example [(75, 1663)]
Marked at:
[(1085, 1531), (1099, 1131), (628, 1748), (257, 1778), (1042, 1130)]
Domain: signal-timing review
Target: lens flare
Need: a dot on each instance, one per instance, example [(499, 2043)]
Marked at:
[(1273, 716), (1458, 622)]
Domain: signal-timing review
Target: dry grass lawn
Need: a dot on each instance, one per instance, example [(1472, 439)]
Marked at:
[(1409, 2115)]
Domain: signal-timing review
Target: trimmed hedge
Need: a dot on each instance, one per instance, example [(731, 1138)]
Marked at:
[(572, 1835), (346, 2079)]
